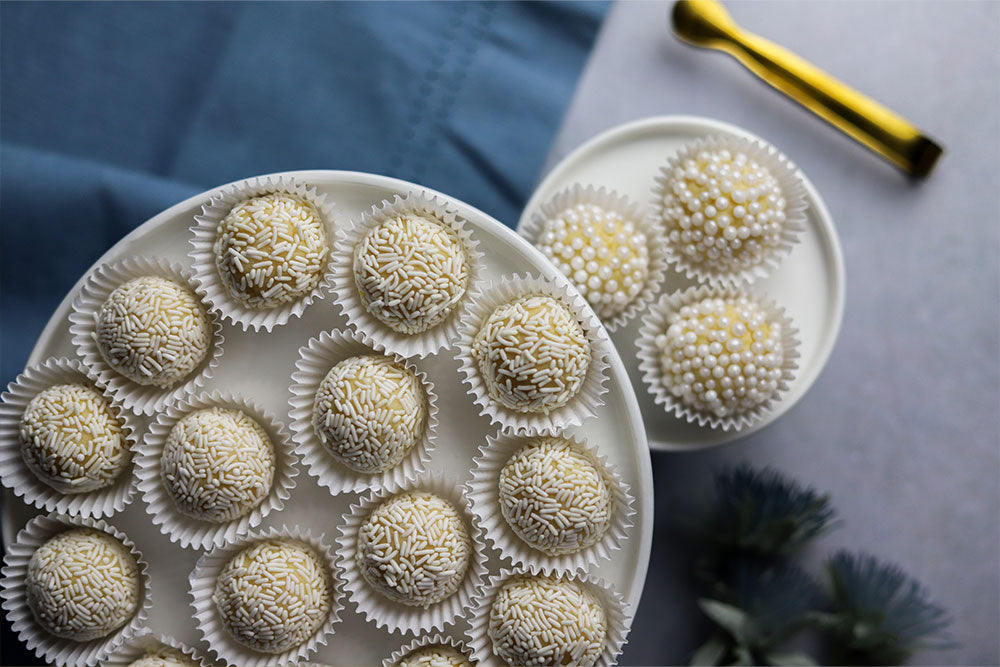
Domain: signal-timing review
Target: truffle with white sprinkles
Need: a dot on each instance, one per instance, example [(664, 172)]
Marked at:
[(539, 620), (82, 584), (369, 411), (724, 211), (73, 440), (273, 595), (435, 655), (164, 656), (532, 354), (604, 254), (411, 272), (217, 464), (271, 249), (722, 356), (555, 496), (414, 549), (153, 331)]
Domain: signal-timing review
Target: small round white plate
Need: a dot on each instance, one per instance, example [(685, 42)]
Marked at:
[(260, 365), (809, 283)]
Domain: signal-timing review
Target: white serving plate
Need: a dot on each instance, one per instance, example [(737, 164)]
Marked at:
[(260, 365), (809, 283)]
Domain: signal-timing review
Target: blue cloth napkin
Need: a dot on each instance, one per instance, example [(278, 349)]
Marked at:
[(112, 112)]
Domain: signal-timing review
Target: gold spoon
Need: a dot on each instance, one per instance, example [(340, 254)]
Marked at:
[(706, 23)]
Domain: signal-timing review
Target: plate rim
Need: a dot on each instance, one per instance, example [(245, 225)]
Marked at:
[(829, 238), (643, 459)]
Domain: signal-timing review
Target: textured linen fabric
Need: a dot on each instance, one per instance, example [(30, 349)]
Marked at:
[(112, 112)]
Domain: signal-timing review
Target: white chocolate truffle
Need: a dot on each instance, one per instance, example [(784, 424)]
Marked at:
[(217, 464), (435, 655), (273, 595), (82, 584), (723, 210), (164, 656), (555, 496), (369, 411), (411, 272), (605, 255), (722, 356), (73, 439), (153, 331), (532, 354), (414, 549), (271, 249), (539, 620)]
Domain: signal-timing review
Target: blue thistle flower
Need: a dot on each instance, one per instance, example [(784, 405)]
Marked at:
[(881, 615), (763, 512)]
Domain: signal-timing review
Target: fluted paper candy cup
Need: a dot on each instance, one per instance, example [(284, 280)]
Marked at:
[(618, 617), (188, 531), (578, 407), (425, 641), (202, 588), (49, 647), (484, 495), (16, 475), (145, 642), (363, 317), (316, 358), (590, 266), (396, 616), (142, 399), (203, 255), (721, 215), (656, 323)]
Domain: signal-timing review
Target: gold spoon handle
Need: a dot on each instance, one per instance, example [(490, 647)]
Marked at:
[(705, 23)]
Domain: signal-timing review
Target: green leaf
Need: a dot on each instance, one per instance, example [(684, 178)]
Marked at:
[(732, 619), (711, 652), (789, 659)]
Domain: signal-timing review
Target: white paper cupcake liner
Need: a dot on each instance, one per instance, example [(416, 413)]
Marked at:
[(395, 616), (316, 358), (484, 495), (609, 200), (436, 639), (145, 641), (202, 534), (142, 399), (648, 353), (616, 611), (787, 175), (16, 476), (580, 407), (206, 274), (221, 643), (434, 339), (48, 647)]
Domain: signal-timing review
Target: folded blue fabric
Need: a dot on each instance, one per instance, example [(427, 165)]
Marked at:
[(112, 112)]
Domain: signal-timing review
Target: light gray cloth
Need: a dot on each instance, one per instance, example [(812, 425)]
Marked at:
[(903, 426)]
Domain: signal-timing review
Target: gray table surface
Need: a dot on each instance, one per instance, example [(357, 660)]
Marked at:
[(902, 427)]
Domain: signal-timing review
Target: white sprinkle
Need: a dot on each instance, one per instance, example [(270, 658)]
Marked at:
[(532, 354), (414, 548), (411, 271), (270, 250), (555, 496), (217, 464), (153, 331), (369, 411), (82, 584), (273, 595), (73, 440), (539, 620), (165, 656)]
